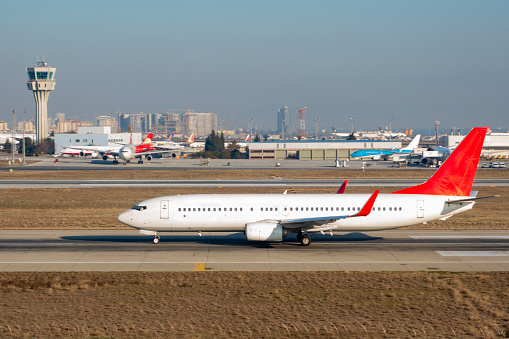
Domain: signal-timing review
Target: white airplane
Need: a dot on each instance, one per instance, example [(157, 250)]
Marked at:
[(271, 217)]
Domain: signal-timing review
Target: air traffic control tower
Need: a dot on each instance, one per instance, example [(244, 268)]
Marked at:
[(41, 80)]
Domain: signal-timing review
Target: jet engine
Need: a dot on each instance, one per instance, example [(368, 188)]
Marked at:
[(427, 162), (148, 157), (82, 154), (376, 157), (105, 157), (264, 231)]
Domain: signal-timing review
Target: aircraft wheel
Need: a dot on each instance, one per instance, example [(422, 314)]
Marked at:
[(305, 240), (156, 240)]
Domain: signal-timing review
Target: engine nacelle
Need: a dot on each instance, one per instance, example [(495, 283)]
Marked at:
[(105, 157), (148, 157), (82, 154), (377, 157), (427, 161), (264, 231)]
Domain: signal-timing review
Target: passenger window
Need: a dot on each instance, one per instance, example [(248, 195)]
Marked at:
[(199, 209), (214, 209), (231, 209), (261, 209), (390, 208), (180, 209), (342, 208), (311, 208), (384, 208), (307, 208), (235, 209), (241, 209), (400, 208), (271, 208), (321, 208), (251, 209), (219, 209), (209, 209), (349, 208), (194, 209)]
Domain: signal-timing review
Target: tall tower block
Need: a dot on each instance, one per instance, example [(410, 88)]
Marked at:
[(41, 80)]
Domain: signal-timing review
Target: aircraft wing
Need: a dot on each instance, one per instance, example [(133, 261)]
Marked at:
[(91, 148), (317, 223), (152, 152)]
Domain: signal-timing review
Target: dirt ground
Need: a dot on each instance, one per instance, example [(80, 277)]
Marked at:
[(254, 304), (333, 173)]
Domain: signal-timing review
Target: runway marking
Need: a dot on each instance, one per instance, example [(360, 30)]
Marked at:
[(473, 253), (459, 237), (199, 266)]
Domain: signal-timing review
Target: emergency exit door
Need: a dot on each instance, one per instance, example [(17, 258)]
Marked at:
[(165, 213), (420, 208)]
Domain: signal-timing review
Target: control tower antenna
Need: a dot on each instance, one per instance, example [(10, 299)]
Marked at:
[(41, 80), (302, 122)]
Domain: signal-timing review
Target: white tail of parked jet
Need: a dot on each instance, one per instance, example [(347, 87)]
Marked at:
[(272, 217), (414, 143)]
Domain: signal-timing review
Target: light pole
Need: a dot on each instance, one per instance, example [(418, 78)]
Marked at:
[(351, 120), (13, 142), (390, 128), (316, 128), (24, 162)]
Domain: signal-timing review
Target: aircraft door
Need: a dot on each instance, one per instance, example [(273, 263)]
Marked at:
[(420, 208), (165, 211)]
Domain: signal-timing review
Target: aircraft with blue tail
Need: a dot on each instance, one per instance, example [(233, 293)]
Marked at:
[(384, 154)]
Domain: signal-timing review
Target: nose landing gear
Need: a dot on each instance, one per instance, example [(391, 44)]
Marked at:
[(156, 239)]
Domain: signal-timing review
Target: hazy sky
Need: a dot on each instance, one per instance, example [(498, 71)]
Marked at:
[(414, 61)]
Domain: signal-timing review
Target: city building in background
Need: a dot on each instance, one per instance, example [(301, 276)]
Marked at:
[(41, 80), (199, 124), (283, 121)]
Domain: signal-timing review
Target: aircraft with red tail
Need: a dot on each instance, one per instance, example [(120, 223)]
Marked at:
[(272, 217)]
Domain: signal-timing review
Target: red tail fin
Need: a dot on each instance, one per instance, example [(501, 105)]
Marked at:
[(456, 175)]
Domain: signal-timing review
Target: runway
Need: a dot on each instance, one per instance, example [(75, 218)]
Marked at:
[(5, 184), (398, 250)]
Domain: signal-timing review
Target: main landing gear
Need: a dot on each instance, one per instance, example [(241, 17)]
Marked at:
[(156, 239), (303, 238)]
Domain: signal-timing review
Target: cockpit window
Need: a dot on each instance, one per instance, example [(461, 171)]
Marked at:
[(139, 207)]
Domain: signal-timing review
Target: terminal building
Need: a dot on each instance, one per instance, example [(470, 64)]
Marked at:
[(495, 144), (94, 136), (314, 149)]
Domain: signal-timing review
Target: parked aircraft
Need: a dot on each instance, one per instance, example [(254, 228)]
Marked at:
[(387, 153), (271, 217), (172, 145)]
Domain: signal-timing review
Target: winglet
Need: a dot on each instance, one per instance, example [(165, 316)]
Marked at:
[(342, 189), (366, 209)]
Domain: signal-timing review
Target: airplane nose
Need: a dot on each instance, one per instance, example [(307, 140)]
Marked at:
[(125, 217)]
